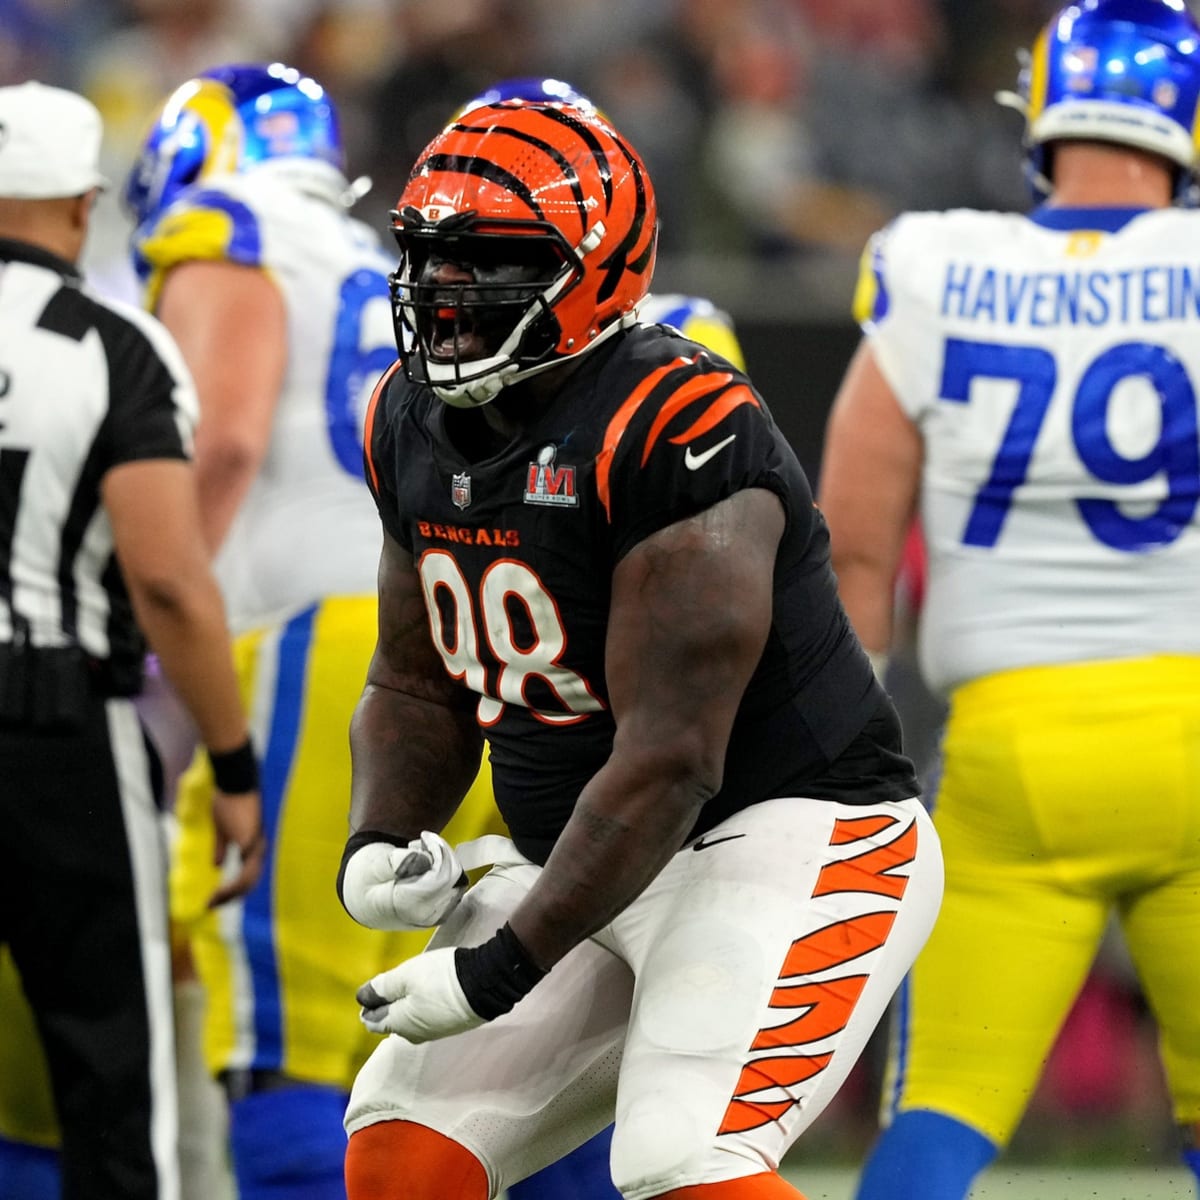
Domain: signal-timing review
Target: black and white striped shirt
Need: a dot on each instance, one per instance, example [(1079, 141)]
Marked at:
[(85, 385)]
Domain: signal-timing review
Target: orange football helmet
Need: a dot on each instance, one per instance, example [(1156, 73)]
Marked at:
[(548, 218)]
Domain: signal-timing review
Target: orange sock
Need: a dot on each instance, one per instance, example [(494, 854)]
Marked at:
[(400, 1160), (767, 1186)]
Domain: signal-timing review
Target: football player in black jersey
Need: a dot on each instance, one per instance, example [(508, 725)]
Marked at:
[(602, 557)]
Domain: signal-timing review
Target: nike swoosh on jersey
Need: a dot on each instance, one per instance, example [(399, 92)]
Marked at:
[(694, 462), (701, 844)]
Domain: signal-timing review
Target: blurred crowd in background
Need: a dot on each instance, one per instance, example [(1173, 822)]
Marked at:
[(779, 132)]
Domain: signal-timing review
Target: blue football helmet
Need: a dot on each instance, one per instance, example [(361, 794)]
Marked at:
[(225, 120), (538, 89), (1125, 71)]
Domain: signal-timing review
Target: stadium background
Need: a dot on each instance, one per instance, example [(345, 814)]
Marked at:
[(780, 133)]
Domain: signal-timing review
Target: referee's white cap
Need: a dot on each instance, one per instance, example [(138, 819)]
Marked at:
[(49, 142)]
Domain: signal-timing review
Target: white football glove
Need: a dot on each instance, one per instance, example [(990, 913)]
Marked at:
[(403, 887), (420, 1000)]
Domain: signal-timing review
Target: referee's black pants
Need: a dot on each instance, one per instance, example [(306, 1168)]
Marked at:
[(83, 908)]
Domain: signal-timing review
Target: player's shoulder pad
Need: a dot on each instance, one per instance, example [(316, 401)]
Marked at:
[(674, 393), (394, 401), (672, 308), (216, 221), (900, 253), (697, 318), (378, 423)]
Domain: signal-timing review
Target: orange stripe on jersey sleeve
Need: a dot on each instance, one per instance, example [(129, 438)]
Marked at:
[(717, 412), (703, 385), (369, 423), (620, 422)]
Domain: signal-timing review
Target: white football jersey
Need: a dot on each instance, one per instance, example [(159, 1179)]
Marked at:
[(1051, 363), (307, 528)]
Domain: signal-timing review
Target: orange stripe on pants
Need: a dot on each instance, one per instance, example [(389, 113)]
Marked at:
[(839, 943), (871, 870)]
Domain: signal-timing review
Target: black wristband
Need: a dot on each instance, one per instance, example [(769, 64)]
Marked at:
[(355, 842), (235, 771), (497, 974)]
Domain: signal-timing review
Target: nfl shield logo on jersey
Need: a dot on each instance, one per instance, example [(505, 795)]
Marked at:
[(460, 490)]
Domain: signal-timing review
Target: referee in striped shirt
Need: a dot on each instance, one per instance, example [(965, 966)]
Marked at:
[(101, 552)]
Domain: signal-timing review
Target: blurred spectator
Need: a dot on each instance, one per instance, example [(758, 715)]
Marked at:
[(581, 35), (903, 97), (897, 37), (449, 52), (762, 150), (762, 119), (349, 45), (338, 29), (638, 86), (126, 73), (43, 39)]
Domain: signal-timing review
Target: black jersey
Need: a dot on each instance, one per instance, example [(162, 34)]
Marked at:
[(516, 555), (86, 384)]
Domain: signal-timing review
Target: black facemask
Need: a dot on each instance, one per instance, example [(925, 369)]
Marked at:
[(464, 294), (469, 292)]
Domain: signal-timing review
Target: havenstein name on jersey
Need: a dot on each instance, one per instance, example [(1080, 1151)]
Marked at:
[(1046, 299)]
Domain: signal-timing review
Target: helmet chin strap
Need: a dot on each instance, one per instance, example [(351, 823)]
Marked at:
[(477, 392)]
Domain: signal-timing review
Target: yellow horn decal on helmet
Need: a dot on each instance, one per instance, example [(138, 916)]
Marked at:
[(1038, 72), (213, 103)]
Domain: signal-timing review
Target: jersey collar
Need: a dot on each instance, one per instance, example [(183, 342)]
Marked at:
[(12, 250), (1067, 220)]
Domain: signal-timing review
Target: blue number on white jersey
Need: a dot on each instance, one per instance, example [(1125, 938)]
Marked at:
[(353, 368), (1176, 453)]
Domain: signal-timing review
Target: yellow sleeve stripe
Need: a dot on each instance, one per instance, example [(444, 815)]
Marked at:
[(211, 226)]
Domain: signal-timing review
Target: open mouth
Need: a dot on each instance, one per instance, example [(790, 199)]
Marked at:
[(455, 336)]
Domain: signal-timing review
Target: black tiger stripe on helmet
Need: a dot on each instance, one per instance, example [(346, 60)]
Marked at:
[(549, 170)]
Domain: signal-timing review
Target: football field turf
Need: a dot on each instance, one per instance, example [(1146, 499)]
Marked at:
[(1026, 1183)]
